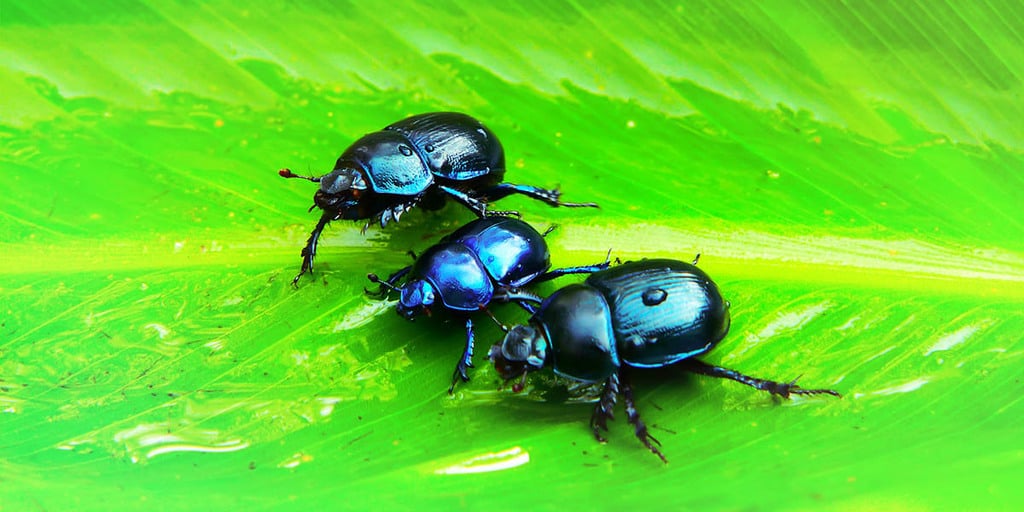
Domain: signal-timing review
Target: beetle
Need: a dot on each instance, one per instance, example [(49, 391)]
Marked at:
[(486, 260), (642, 314), (422, 159)]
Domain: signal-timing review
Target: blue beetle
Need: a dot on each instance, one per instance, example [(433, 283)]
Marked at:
[(488, 259), (419, 160), (642, 314)]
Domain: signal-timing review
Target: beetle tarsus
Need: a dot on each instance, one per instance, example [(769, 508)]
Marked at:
[(783, 389), (605, 408), (642, 433), (503, 213)]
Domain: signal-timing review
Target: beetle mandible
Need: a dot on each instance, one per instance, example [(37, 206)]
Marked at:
[(422, 159), (642, 314), (488, 259)]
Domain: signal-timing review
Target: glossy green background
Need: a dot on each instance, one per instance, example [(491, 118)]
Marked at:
[(852, 174)]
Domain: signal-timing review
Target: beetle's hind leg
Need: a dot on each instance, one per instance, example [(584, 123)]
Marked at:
[(466, 361), (583, 269), (605, 408), (642, 433), (309, 251), (550, 197), (783, 389)]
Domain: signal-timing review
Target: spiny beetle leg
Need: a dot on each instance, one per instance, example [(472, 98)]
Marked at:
[(479, 207), (309, 251), (466, 362), (642, 433), (605, 408), (783, 389)]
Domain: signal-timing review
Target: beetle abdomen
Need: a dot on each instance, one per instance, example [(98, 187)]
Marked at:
[(662, 311), (513, 252), (577, 325), (455, 146)]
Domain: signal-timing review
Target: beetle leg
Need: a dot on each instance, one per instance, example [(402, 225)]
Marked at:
[(385, 217), (466, 362), (585, 269), (605, 408), (783, 389), (505, 294), (479, 207), (394, 213), (548, 196), (309, 251), (642, 433), (529, 308)]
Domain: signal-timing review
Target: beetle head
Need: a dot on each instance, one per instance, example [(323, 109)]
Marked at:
[(340, 191), (417, 295), (523, 350)]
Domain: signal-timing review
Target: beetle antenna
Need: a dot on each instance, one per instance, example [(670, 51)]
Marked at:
[(287, 173), (377, 280), (519, 386), (503, 327)]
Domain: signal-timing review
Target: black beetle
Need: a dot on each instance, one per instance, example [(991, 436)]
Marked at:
[(642, 314), (488, 259), (419, 160)]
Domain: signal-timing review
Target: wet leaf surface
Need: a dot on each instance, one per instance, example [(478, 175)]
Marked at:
[(854, 189)]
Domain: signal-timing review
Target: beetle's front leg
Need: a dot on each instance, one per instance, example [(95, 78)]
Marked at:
[(394, 213), (309, 251), (605, 408), (466, 362)]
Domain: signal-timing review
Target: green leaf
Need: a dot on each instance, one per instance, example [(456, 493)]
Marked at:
[(851, 174)]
